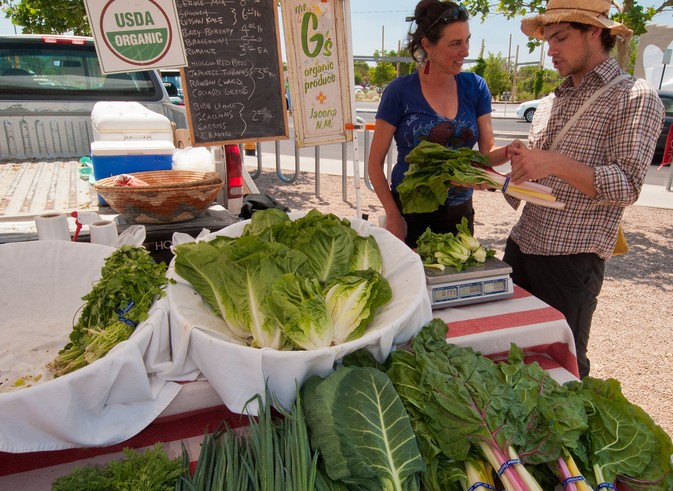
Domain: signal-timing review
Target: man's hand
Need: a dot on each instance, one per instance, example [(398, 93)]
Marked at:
[(528, 164), (532, 164)]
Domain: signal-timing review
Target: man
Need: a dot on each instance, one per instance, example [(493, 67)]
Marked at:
[(596, 168)]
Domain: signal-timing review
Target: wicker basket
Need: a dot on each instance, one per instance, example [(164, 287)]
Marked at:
[(171, 195)]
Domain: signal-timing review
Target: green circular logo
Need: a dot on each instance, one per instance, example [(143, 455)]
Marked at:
[(136, 32)]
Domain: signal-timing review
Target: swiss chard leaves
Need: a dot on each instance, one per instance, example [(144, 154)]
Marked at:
[(362, 430)]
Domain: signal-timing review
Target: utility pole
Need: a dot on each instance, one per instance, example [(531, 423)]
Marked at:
[(399, 48), (509, 54), (512, 96), (383, 49)]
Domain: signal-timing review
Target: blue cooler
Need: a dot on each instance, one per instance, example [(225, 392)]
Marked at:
[(111, 158)]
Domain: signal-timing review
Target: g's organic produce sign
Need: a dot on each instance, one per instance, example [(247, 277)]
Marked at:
[(318, 70)]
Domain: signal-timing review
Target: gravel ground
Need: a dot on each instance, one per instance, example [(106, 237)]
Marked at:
[(633, 324)]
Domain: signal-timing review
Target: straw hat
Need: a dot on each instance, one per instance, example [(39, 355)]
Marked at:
[(593, 12)]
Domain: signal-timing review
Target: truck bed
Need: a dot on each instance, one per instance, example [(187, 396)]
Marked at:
[(32, 188)]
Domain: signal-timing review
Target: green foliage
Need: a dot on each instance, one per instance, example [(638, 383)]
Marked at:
[(631, 14), (383, 72), (405, 68), (479, 67), (496, 75), (528, 82), (47, 16), (151, 470), (538, 81), (361, 72)]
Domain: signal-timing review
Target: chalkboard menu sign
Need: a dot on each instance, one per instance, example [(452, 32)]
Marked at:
[(233, 83)]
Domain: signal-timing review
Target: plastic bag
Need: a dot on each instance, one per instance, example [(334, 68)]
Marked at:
[(194, 158)]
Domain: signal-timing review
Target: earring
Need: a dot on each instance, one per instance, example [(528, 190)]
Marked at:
[(426, 70)]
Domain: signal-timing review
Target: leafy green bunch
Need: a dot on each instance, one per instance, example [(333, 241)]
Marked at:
[(130, 282), (289, 284), (532, 430), (433, 169), (460, 251), (149, 470)]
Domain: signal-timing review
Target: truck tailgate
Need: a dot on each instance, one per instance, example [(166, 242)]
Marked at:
[(28, 189)]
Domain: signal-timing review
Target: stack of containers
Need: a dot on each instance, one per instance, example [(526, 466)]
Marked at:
[(128, 137)]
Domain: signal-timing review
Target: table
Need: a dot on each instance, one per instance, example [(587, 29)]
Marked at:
[(540, 330)]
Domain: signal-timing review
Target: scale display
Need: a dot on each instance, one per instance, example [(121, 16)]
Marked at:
[(483, 283)]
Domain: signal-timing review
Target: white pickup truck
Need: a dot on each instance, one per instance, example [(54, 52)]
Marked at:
[(48, 86)]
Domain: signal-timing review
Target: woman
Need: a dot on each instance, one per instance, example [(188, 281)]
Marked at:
[(439, 103)]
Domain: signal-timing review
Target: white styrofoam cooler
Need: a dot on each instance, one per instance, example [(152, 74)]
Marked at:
[(128, 121)]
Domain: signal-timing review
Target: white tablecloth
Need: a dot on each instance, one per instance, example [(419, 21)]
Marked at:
[(41, 289)]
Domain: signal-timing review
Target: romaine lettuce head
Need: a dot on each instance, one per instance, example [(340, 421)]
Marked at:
[(236, 281), (248, 287), (352, 300), (299, 306), (262, 221), (327, 242), (310, 282), (366, 254), (198, 263)]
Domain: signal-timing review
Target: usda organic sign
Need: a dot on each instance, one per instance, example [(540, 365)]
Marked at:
[(134, 34)]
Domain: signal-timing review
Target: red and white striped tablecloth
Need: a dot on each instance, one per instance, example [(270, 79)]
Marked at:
[(490, 328), (523, 319)]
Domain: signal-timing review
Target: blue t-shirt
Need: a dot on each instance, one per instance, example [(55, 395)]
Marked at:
[(404, 106)]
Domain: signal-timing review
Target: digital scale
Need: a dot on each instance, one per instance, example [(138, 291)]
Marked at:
[(474, 284)]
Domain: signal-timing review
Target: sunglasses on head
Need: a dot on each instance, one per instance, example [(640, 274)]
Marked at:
[(452, 14)]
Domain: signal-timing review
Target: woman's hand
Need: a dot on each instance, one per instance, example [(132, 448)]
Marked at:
[(396, 225)]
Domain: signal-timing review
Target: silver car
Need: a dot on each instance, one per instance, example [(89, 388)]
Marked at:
[(526, 110)]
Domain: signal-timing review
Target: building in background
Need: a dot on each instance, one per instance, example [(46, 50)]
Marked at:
[(652, 54)]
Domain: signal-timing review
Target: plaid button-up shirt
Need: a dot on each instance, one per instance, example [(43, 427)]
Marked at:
[(616, 136)]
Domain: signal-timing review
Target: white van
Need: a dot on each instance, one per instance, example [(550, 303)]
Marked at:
[(48, 87)]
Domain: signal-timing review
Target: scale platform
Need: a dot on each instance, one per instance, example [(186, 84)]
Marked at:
[(474, 284)]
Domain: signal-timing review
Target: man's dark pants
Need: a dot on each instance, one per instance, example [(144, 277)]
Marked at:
[(570, 284)]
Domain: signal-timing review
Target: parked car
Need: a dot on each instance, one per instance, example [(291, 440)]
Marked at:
[(48, 87), (173, 83), (667, 99), (526, 110)]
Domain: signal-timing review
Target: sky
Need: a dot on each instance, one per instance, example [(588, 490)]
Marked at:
[(380, 24)]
